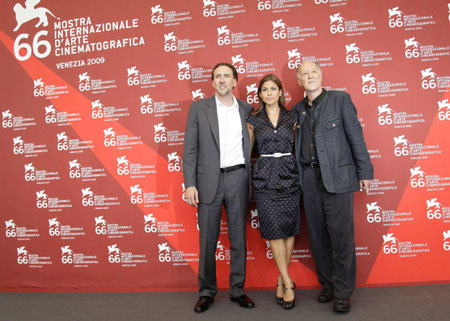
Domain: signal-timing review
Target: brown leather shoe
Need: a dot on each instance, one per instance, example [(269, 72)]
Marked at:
[(326, 295), (341, 305), (203, 303)]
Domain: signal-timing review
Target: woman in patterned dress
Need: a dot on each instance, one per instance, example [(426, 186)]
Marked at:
[(275, 179)]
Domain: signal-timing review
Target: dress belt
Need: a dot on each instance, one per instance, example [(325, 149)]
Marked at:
[(310, 165), (276, 155), (231, 168)]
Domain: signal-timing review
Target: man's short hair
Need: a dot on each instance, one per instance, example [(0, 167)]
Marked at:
[(235, 73)]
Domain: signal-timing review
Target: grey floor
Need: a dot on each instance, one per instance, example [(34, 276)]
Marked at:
[(426, 302)]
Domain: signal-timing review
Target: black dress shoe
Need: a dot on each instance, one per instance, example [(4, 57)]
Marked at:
[(326, 295), (244, 301), (203, 303), (341, 305)]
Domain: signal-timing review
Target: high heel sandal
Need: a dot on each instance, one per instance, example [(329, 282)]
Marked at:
[(289, 304), (280, 300)]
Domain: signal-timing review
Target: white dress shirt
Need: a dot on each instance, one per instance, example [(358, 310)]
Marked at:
[(230, 134)]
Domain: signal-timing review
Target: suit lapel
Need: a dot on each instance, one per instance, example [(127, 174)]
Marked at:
[(211, 114)]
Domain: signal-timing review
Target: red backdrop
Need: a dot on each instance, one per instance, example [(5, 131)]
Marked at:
[(95, 96)]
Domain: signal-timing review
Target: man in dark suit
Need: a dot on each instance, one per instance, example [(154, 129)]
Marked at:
[(333, 162), (216, 170)]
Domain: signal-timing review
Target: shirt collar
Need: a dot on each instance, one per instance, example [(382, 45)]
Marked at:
[(220, 105)]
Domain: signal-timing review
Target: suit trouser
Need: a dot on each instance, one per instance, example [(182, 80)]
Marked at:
[(232, 192), (330, 225)]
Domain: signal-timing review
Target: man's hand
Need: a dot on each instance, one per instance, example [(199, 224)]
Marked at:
[(364, 185), (191, 194)]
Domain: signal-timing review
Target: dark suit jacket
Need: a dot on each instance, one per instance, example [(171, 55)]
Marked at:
[(341, 149), (201, 156)]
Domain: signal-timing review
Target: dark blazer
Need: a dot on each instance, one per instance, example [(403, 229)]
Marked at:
[(201, 156), (341, 150)]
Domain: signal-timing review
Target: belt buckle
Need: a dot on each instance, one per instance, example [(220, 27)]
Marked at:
[(278, 155)]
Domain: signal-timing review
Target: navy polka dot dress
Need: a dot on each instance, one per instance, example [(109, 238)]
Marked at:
[(275, 179)]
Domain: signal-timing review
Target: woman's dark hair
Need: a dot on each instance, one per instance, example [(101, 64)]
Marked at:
[(277, 82)]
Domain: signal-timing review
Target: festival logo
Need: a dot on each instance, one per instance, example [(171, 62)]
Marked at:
[(444, 110), (395, 18), (336, 23), (411, 48), (112, 230), (22, 255), (269, 254), (170, 42), (252, 94), (446, 234), (101, 202), (209, 8), (18, 145), (133, 76), (84, 82), (54, 227), (434, 210), (74, 169), (30, 259), (352, 53), (239, 63), (174, 162), (401, 146), (88, 173), (160, 133), (389, 217), (39, 88), (183, 195), (41, 199), (66, 255), (373, 212), (87, 197), (123, 167), (254, 220), (393, 246), (78, 260), (164, 253), (146, 104), (136, 194), (150, 223), (7, 119), (109, 137), (184, 70), (294, 58), (114, 254), (428, 79), (62, 142), (21, 233), (40, 47), (390, 245), (279, 29), (197, 94), (384, 115), (222, 254), (100, 225), (50, 114), (417, 179), (10, 228), (157, 14), (30, 172), (369, 84)]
